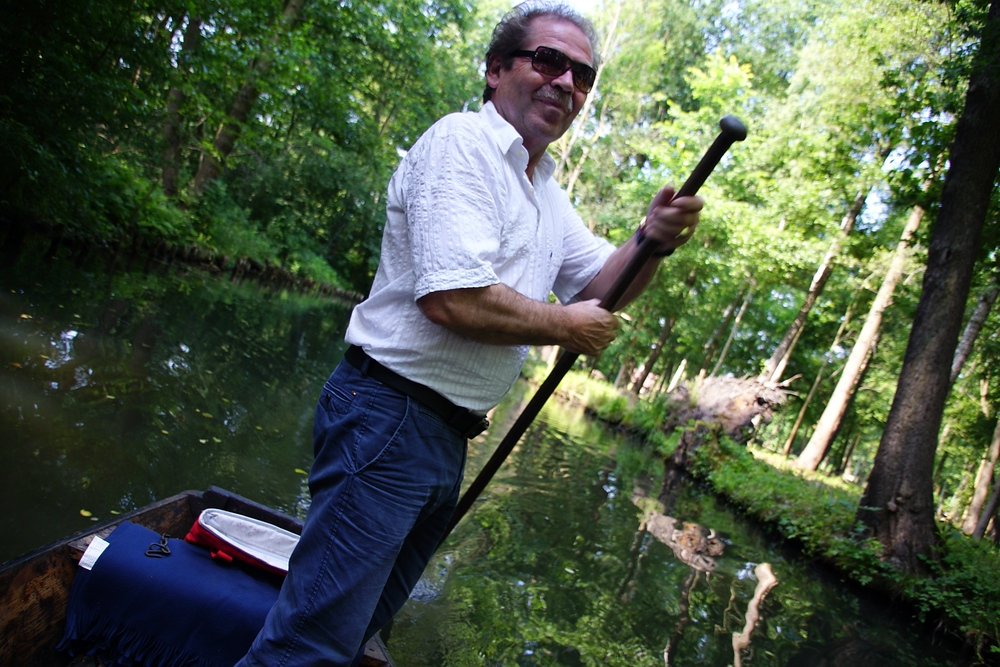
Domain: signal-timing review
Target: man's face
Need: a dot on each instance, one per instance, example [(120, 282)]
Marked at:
[(541, 108)]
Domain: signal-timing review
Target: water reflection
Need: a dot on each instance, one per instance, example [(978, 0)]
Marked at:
[(119, 390), (552, 568)]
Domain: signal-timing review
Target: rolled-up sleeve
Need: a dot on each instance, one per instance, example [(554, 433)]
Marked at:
[(452, 212)]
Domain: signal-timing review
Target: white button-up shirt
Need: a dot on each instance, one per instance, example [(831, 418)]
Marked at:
[(463, 214)]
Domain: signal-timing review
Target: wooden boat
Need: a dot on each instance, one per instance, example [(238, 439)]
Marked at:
[(34, 589)]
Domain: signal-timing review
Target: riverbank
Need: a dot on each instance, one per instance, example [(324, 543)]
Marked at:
[(142, 253), (816, 513)]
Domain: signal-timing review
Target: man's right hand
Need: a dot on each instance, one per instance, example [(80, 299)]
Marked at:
[(591, 328)]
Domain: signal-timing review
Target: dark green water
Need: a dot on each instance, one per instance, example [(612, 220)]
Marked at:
[(116, 390)]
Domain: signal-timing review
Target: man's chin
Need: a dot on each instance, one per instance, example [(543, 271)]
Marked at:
[(555, 119)]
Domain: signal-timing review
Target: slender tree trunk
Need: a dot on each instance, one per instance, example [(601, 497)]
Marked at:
[(790, 442), (624, 373), (175, 98), (565, 146), (857, 361), (984, 479), (747, 298), (897, 506), (654, 354), (210, 166), (989, 513), (939, 468), (678, 375), (846, 460), (975, 325), (711, 345), (775, 366), (665, 332)]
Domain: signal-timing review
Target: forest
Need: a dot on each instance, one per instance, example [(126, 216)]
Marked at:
[(848, 252)]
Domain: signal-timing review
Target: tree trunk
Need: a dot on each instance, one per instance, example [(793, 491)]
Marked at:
[(846, 459), (564, 173), (897, 506), (938, 477), (175, 98), (989, 512), (747, 298), (654, 355), (975, 325), (210, 166), (775, 366), (790, 441), (857, 361), (787, 450), (712, 344), (984, 479), (624, 373), (678, 375)]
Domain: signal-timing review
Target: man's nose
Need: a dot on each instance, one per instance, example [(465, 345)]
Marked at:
[(564, 81)]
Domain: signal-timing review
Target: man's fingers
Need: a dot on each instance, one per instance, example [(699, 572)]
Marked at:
[(674, 222), (594, 329)]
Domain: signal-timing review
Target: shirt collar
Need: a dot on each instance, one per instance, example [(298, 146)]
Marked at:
[(512, 145)]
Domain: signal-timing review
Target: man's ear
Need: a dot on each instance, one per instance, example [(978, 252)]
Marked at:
[(493, 66)]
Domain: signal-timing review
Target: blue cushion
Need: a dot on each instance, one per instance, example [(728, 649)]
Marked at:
[(182, 609)]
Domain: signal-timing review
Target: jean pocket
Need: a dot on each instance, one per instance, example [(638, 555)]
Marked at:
[(384, 420), (336, 399)]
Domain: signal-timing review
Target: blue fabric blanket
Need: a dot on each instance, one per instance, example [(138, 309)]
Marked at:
[(181, 609)]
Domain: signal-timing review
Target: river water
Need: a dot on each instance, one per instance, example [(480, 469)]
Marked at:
[(117, 389)]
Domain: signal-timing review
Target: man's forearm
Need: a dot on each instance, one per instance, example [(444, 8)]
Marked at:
[(499, 315), (668, 224)]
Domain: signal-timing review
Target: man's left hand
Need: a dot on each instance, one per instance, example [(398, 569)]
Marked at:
[(670, 222)]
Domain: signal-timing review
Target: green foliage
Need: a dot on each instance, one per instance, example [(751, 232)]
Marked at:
[(223, 228), (613, 411), (334, 95), (961, 586), (642, 418)]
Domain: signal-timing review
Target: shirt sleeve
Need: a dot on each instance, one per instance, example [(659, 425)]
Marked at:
[(452, 210), (584, 254)]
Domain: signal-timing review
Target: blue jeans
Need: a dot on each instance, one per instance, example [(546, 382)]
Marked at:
[(384, 483)]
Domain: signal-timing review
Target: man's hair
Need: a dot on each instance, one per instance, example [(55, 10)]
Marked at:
[(512, 30)]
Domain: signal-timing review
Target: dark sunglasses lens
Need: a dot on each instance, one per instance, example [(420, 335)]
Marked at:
[(551, 62), (583, 77)]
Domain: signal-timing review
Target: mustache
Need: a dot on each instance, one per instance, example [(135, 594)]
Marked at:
[(553, 94)]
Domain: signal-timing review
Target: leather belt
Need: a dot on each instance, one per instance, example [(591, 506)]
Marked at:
[(465, 421)]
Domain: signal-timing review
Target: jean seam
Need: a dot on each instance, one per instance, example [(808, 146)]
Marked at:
[(310, 604)]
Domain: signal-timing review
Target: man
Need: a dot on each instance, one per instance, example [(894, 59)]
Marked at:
[(477, 236)]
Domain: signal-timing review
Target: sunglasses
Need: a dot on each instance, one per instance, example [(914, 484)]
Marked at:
[(551, 62)]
